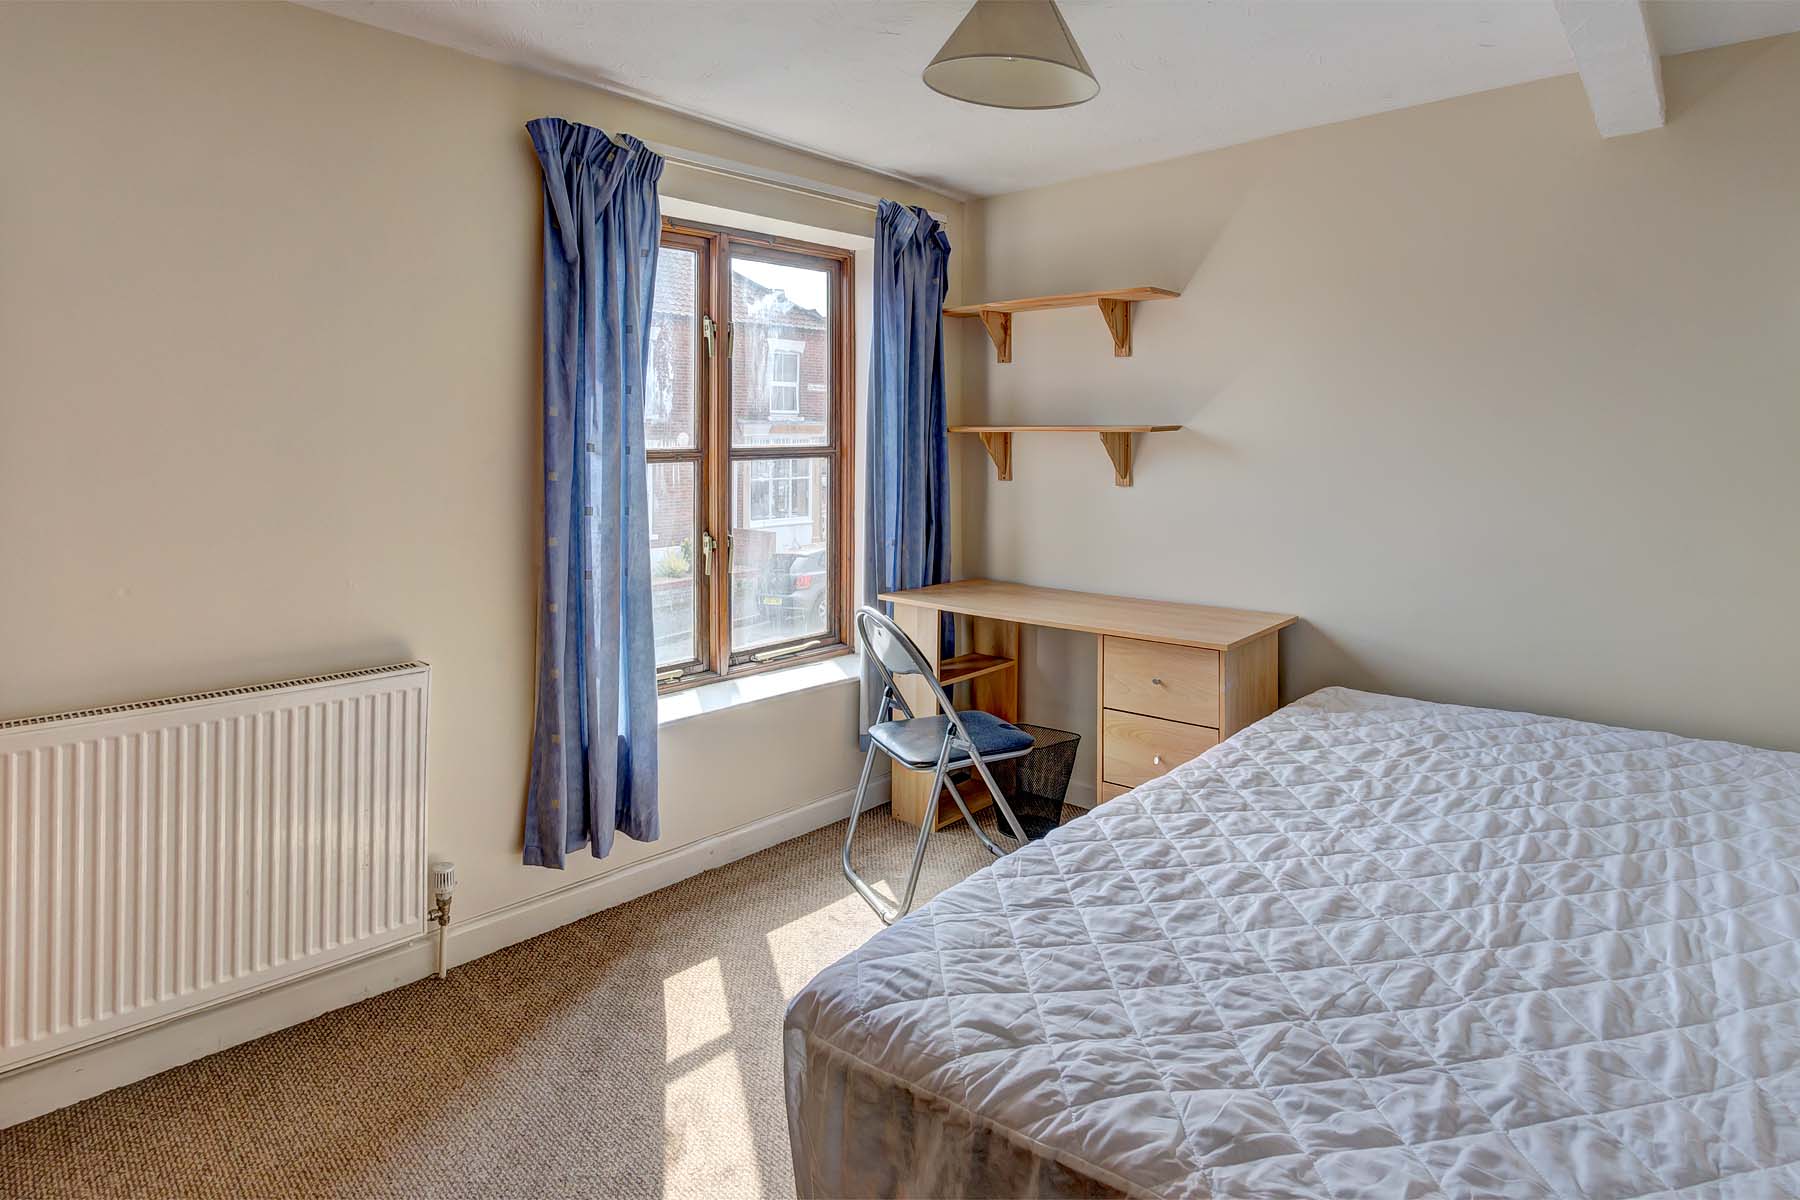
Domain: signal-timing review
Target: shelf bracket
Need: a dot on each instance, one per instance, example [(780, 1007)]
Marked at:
[(1118, 448), (1117, 314), (999, 448), (999, 331)]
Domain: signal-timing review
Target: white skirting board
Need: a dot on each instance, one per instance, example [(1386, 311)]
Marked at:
[(33, 1090)]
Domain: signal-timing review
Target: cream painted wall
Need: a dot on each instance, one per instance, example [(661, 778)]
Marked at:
[(1507, 412), (268, 391)]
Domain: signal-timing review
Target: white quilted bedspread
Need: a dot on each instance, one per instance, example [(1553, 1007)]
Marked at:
[(1370, 947)]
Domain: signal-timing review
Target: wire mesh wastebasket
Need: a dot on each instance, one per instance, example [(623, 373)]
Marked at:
[(1036, 784)]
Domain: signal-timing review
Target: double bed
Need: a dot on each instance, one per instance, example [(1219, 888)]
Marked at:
[(1369, 947)]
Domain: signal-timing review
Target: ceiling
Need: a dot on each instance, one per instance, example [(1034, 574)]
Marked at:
[(841, 77)]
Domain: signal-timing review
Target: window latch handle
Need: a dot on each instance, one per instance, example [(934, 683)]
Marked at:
[(708, 330), (709, 546)]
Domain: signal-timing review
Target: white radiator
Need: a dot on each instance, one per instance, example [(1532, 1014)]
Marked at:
[(159, 857)]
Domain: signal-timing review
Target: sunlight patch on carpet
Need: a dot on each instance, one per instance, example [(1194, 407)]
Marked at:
[(694, 1009)]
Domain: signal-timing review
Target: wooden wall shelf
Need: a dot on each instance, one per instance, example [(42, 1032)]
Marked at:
[(1115, 309), (1116, 439)]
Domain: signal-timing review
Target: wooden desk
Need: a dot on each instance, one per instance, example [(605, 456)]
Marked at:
[(1175, 679)]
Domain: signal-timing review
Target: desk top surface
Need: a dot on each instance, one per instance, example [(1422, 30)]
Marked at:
[(1089, 612)]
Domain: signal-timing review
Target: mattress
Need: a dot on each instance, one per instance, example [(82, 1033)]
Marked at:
[(1369, 947)]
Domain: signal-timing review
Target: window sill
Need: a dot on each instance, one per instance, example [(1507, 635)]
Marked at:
[(735, 693)]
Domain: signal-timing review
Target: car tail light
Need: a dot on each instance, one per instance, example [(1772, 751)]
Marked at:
[(803, 581)]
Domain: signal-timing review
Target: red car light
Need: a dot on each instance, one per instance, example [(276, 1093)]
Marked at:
[(802, 581)]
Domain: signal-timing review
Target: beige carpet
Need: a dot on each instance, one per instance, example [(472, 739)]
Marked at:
[(635, 1053)]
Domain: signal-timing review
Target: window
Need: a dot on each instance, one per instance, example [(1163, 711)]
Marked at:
[(780, 491), (784, 378), (747, 429)]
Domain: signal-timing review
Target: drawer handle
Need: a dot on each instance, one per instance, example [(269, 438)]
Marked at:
[(1156, 680), (1156, 760)]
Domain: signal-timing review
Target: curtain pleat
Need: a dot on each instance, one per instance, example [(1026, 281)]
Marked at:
[(907, 535), (593, 755)]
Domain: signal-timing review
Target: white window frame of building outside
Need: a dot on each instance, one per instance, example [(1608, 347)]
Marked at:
[(805, 465), (779, 346)]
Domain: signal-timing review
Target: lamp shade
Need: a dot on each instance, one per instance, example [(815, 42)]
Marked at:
[(1013, 54)]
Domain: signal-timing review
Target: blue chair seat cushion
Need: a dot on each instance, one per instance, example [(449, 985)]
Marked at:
[(916, 743)]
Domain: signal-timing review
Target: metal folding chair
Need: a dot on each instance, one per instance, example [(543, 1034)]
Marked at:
[(942, 744)]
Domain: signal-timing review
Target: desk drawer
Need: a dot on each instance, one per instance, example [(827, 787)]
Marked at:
[(1176, 683), (1136, 749)]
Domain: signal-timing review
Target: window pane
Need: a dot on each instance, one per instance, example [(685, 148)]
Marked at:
[(780, 354), (674, 545), (781, 554), (671, 384)]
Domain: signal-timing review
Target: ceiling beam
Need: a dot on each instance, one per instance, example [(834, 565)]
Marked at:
[(1616, 55)]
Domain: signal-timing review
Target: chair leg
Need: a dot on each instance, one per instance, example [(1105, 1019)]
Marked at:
[(987, 777), (862, 788), (994, 848), (889, 913), (927, 824), (856, 807)]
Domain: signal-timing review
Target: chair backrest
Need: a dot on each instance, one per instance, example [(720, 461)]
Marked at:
[(896, 654)]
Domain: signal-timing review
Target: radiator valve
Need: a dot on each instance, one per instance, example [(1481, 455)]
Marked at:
[(443, 884)]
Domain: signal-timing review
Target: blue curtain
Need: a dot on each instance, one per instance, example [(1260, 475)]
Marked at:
[(907, 535), (593, 753)]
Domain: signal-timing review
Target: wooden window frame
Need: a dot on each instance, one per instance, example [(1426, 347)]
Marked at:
[(700, 660), (714, 659)]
